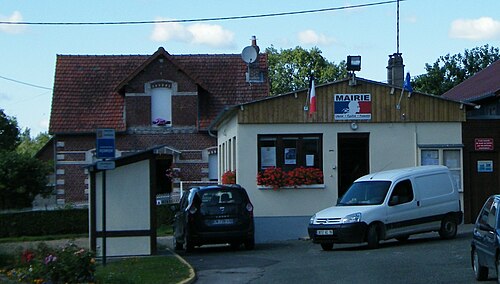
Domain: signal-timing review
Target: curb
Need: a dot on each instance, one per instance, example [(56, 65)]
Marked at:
[(192, 273)]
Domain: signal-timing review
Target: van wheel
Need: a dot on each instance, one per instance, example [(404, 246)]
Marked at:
[(448, 228), (327, 246), (480, 272), (373, 237)]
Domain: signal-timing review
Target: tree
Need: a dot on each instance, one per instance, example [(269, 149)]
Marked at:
[(9, 132), (450, 70), (22, 176), (30, 145), (289, 69)]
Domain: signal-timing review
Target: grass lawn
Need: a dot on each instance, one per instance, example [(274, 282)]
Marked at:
[(154, 269)]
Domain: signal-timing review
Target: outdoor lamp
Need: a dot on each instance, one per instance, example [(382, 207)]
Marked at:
[(353, 63)]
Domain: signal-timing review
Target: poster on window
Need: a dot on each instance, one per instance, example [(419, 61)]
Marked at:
[(290, 156), (267, 157), (309, 160), (430, 158)]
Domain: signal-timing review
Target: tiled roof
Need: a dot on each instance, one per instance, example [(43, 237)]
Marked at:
[(483, 84), (86, 98)]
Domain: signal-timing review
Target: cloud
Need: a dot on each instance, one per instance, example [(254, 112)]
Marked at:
[(198, 34), (475, 29), (12, 29), (312, 37)]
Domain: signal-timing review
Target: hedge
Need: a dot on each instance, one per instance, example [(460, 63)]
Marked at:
[(41, 223), (60, 222)]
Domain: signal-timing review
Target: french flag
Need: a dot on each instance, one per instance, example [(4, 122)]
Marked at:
[(312, 99)]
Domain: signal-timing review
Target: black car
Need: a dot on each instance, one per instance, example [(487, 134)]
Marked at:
[(215, 214), (485, 247)]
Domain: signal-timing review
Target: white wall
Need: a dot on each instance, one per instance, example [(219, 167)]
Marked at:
[(127, 208), (392, 145)]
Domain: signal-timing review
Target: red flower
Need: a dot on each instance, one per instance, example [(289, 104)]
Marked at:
[(276, 178), (229, 177)]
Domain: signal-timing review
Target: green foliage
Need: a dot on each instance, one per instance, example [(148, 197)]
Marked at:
[(69, 264), (450, 70), (289, 69), (9, 132), (30, 145), (40, 223), (22, 177)]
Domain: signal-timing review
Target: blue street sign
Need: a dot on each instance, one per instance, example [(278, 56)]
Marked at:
[(105, 144)]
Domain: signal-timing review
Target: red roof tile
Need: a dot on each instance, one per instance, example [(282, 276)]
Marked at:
[(86, 87), (484, 83)]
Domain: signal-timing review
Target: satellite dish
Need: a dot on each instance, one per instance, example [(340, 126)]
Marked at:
[(249, 54)]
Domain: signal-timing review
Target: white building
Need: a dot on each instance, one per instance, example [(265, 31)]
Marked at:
[(360, 127)]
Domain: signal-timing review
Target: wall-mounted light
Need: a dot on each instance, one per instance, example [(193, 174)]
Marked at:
[(354, 126), (353, 62)]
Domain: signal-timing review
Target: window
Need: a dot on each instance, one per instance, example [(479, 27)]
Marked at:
[(161, 103), (446, 157), (402, 193), (290, 151), (212, 165)]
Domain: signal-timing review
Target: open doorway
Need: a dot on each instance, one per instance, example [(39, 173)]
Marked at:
[(163, 183), (353, 155)]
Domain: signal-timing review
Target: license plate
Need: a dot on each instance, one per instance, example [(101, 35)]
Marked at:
[(324, 232), (223, 222)]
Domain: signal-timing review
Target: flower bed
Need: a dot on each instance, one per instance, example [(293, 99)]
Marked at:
[(69, 264)]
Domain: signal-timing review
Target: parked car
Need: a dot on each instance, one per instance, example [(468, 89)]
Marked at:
[(215, 214), (485, 246), (391, 204)]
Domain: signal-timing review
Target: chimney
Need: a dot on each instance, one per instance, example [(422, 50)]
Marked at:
[(254, 73), (254, 44), (395, 70)]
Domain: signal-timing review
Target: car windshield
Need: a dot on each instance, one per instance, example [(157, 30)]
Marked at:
[(365, 193)]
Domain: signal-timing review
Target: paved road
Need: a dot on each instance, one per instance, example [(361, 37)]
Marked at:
[(423, 259)]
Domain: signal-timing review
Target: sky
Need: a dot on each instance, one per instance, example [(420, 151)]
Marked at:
[(428, 29)]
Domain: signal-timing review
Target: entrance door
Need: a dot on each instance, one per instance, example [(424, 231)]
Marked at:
[(484, 179), (353, 153)]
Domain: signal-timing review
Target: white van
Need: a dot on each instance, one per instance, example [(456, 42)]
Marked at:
[(391, 204)]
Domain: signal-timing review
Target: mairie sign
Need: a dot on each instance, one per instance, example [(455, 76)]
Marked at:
[(352, 107), (105, 144)]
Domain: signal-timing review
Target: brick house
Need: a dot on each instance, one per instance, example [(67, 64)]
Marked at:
[(160, 101)]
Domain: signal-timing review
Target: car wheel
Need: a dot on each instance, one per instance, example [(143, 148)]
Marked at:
[(235, 245), (188, 244), (480, 272), (373, 237), (327, 246), (250, 244), (403, 238), (178, 246), (497, 266), (448, 228)]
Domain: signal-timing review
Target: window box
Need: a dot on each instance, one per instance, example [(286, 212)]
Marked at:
[(305, 186)]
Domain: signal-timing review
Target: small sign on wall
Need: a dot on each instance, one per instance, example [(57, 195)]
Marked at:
[(484, 166), (484, 144)]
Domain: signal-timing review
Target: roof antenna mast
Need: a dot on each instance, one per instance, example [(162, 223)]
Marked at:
[(397, 29)]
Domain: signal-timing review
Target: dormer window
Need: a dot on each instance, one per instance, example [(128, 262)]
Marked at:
[(161, 103)]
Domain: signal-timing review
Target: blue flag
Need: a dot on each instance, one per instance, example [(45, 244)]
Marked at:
[(407, 84)]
